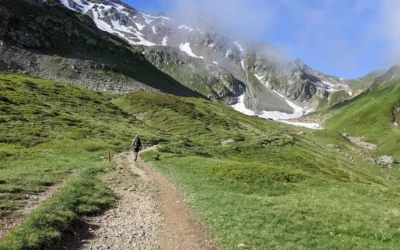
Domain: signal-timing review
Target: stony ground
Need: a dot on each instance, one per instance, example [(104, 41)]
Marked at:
[(149, 214)]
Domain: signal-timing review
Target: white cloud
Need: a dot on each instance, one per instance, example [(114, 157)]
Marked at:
[(240, 16), (389, 26), (340, 35)]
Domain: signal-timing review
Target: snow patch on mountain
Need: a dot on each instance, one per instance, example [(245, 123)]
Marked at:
[(164, 41), (185, 47), (142, 41), (239, 46), (215, 63), (259, 77), (101, 24), (181, 27), (330, 87), (139, 26), (303, 124), (242, 63), (329, 84), (228, 53), (65, 3), (147, 18), (120, 27), (241, 55), (83, 7), (239, 106), (295, 107), (277, 115), (274, 115), (154, 29)]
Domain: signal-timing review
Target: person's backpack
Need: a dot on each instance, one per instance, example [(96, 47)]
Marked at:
[(138, 143)]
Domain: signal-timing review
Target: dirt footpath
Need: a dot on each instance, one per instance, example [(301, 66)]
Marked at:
[(180, 230), (149, 214)]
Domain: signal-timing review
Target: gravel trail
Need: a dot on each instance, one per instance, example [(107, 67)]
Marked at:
[(180, 229), (149, 215)]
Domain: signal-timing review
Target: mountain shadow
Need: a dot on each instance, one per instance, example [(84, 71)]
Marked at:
[(44, 39)]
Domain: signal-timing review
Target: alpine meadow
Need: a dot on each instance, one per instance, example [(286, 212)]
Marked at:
[(242, 147)]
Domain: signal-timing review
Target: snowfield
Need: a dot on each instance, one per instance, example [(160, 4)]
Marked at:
[(239, 106), (259, 77), (115, 27), (277, 115), (185, 47), (164, 41), (303, 124)]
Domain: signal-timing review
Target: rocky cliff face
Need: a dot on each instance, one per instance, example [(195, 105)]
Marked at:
[(209, 79), (216, 64)]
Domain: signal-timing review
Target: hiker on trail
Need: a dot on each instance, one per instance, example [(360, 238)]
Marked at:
[(137, 146)]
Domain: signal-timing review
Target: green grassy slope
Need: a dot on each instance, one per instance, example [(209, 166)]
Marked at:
[(365, 82), (195, 127), (48, 131), (372, 115), (271, 188)]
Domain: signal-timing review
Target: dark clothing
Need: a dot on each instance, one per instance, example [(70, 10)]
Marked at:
[(137, 143)]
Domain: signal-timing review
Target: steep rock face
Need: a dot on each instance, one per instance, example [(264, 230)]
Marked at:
[(206, 78), (84, 73), (289, 79)]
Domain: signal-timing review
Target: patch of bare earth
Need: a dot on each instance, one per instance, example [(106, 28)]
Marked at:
[(149, 214), (359, 141), (227, 142), (180, 229), (31, 202)]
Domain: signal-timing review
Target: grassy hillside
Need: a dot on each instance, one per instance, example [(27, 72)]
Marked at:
[(372, 115), (271, 188), (363, 83), (49, 131), (252, 181)]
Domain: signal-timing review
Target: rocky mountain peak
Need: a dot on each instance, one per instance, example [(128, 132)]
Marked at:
[(249, 63)]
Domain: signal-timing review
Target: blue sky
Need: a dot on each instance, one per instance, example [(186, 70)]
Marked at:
[(345, 38)]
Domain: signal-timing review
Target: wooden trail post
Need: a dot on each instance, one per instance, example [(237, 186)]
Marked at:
[(109, 156)]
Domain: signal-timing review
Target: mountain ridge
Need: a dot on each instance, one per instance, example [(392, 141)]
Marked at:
[(292, 79), (157, 53)]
